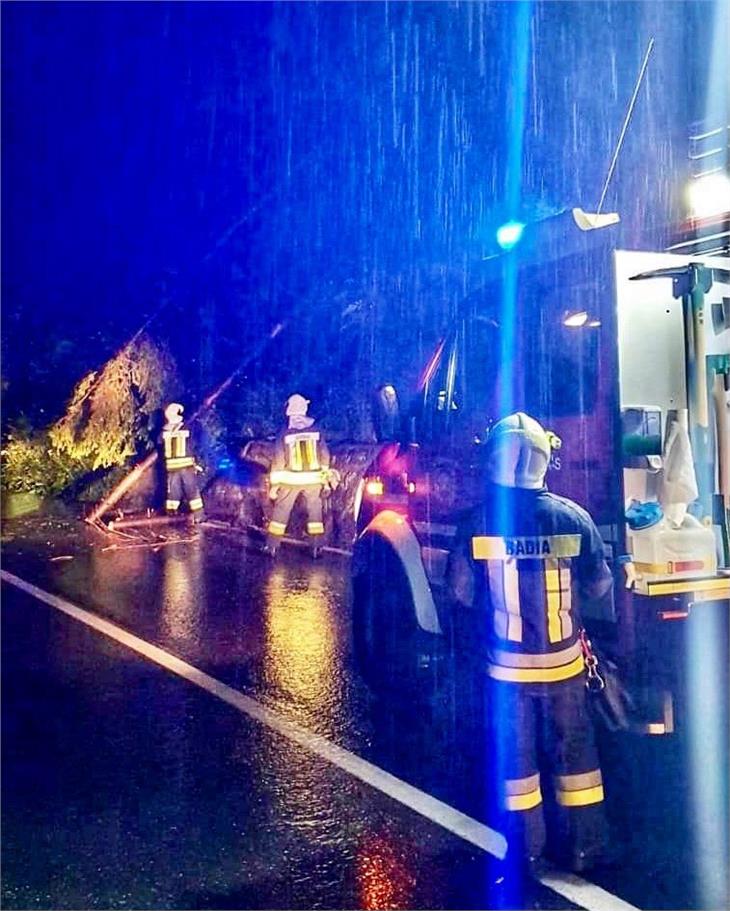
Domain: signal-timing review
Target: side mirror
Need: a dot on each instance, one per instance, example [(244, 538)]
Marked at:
[(386, 414)]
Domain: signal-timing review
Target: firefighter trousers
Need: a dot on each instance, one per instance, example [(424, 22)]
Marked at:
[(284, 504), (545, 748), (182, 483)]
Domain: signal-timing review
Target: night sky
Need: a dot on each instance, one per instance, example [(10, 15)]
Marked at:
[(343, 165)]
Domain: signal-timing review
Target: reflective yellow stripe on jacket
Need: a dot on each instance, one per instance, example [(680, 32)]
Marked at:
[(524, 547), (301, 450), (513, 667), (176, 449), (295, 478), (184, 462)]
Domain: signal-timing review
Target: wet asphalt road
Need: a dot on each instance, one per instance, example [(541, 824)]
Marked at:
[(125, 786)]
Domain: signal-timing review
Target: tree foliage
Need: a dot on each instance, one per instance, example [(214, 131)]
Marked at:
[(109, 419), (110, 415), (32, 465)]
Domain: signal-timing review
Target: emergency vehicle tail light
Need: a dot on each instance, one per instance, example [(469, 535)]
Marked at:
[(374, 487), (673, 614)]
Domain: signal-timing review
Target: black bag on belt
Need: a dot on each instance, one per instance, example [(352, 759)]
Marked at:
[(610, 702)]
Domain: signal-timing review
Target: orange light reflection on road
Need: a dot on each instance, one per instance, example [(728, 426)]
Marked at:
[(299, 634), (383, 877), (183, 593)]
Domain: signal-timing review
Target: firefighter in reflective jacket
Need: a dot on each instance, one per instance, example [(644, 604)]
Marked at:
[(525, 559), (300, 465), (180, 465)]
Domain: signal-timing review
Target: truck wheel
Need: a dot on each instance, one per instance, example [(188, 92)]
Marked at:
[(391, 651)]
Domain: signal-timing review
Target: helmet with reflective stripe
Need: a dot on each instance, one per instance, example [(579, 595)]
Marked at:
[(517, 452), (173, 413), (296, 405)]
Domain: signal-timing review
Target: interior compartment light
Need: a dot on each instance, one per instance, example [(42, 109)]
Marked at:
[(709, 195)]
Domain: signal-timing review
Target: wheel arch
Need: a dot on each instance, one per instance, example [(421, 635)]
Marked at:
[(393, 529)]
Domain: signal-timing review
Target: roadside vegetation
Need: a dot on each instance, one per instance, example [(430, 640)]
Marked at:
[(109, 419)]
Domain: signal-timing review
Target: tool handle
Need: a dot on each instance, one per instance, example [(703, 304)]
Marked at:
[(701, 410)]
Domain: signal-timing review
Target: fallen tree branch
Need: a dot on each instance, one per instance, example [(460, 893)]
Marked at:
[(138, 471), (149, 544)]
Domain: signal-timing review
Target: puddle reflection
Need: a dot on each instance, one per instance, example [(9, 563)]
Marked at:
[(300, 636), (384, 879), (184, 599)]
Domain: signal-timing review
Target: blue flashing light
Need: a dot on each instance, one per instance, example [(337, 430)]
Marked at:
[(509, 234)]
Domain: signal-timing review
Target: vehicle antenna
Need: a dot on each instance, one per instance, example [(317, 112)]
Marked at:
[(629, 112)]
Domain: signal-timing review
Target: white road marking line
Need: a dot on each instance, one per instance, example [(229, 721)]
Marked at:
[(576, 890), (441, 813), (582, 893)]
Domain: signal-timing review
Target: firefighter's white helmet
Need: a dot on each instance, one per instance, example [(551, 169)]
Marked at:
[(518, 452), (296, 405), (173, 413)]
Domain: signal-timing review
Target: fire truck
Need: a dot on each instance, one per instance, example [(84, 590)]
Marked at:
[(617, 352)]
